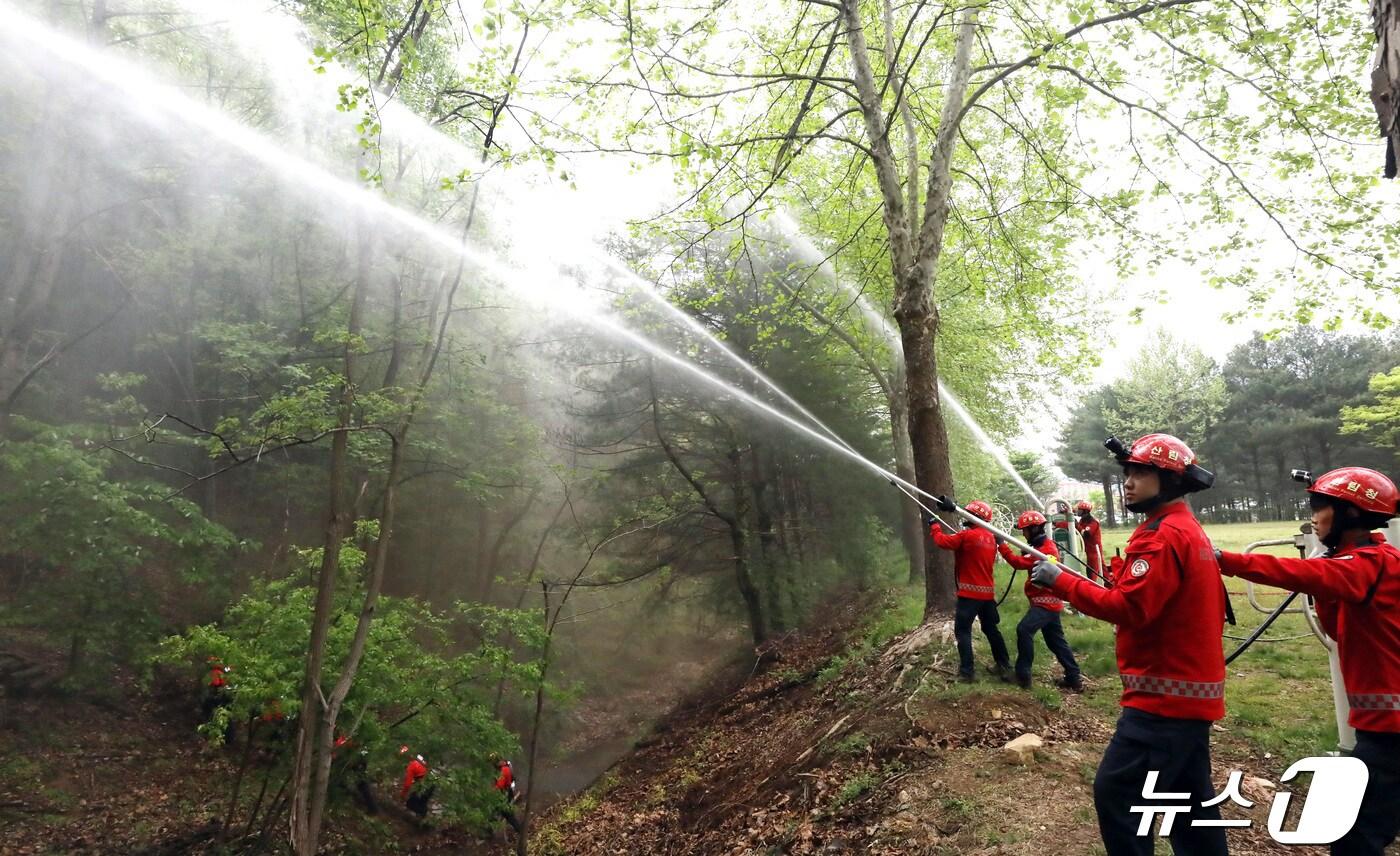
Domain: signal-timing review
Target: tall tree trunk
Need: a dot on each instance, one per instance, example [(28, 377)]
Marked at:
[(522, 838), (748, 590), (311, 740), (911, 516), (782, 511), (932, 461), (800, 506), (914, 261), (762, 503), (917, 315), (734, 521), (771, 560), (360, 640), (1109, 511), (1385, 78), (374, 584), (759, 620)]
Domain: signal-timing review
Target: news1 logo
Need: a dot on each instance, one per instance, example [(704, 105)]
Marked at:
[(1328, 813)]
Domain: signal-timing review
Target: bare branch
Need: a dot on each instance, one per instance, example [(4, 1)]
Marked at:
[(1035, 58), (1209, 153)]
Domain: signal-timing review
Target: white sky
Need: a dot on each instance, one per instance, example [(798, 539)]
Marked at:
[(1195, 314)]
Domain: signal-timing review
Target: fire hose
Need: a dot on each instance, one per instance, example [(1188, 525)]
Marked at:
[(995, 530), (1259, 631)]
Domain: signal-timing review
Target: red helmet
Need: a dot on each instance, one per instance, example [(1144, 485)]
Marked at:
[(980, 509), (1166, 453), (1162, 451), (1083, 505), (1364, 488), (1029, 519)]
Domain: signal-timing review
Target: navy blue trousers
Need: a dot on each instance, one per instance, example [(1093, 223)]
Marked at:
[(1179, 749), (1379, 819), (1047, 623), (984, 611)]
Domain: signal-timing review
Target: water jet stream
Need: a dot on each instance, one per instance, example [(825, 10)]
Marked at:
[(273, 38), (161, 101), (879, 325), (157, 100)]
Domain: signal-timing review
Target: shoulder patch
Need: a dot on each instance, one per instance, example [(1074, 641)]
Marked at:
[(1139, 568)]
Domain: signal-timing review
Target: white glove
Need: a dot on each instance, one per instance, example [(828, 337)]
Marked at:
[(1045, 573)]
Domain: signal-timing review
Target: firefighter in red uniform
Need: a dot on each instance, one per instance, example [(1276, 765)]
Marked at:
[(1357, 591), (415, 793), (1093, 538), (1169, 606), (975, 550), (506, 787), (217, 694), (354, 771), (274, 721), (1044, 614)]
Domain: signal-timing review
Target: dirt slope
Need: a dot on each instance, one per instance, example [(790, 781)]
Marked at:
[(134, 778), (838, 741), (876, 750)]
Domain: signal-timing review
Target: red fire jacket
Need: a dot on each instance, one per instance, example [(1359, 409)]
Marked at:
[(1169, 605), (1358, 603), (975, 553), (505, 783), (1038, 595), (414, 773), (216, 677), (1093, 545)]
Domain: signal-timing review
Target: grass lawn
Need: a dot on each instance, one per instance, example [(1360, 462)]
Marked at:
[(1227, 536), (1278, 694)]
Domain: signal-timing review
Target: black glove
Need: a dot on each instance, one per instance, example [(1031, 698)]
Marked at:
[(945, 503), (929, 519), (1045, 573), (1000, 540)]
